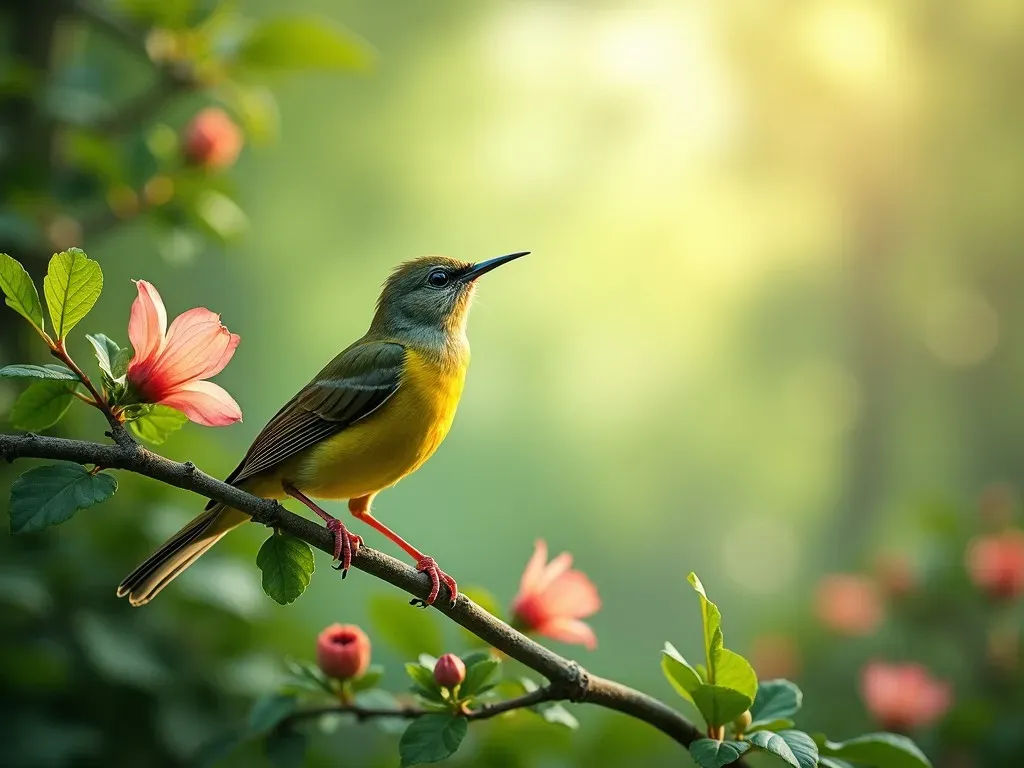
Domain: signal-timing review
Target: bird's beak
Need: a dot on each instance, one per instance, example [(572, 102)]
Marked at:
[(486, 266)]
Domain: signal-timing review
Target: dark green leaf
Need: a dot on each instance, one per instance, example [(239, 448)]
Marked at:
[(475, 657), (72, 285), (557, 714), (369, 678), (287, 565), (710, 753), (424, 678), (774, 743), (107, 351), (719, 705), (41, 405), (883, 750), (303, 43), (679, 673), (269, 710), (776, 699), (20, 291), (158, 423), (431, 738), (478, 676), (51, 494), (286, 749), (406, 630), (53, 371), (803, 746)]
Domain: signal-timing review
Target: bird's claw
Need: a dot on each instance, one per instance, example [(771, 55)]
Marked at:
[(346, 544), (428, 566)]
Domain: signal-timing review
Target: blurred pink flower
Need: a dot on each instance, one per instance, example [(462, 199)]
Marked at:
[(212, 140), (996, 563), (170, 365), (848, 604), (903, 697), (552, 599), (343, 651), (774, 655)]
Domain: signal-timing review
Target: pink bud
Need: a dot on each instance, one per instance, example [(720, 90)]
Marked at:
[(449, 671), (212, 140), (343, 651)]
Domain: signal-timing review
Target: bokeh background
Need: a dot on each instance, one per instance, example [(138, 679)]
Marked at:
[(769, 332)]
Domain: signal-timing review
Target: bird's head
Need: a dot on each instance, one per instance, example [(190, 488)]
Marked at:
[(431, 294)]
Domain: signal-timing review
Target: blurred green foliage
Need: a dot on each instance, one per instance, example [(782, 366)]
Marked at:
[(772, 309)]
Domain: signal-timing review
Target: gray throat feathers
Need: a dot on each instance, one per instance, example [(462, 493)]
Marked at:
[(447, 345)]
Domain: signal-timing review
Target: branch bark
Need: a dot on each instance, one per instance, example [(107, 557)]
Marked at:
[(567, 679)]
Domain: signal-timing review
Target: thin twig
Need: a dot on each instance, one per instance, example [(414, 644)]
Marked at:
[(567, 679), (117, 431)]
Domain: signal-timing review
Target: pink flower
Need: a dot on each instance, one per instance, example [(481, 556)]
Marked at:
[(848, 604), (552, 599), (212, 140), (170, 364), (903, 697), (343, 651), (996, 564), (449, 671)]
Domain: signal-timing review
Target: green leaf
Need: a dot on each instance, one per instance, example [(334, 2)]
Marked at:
[(679, 673), (41, 405), (20, 291), (711, 753), (473, 658), (775, 700), (287, 565), (719, 705), (269, 710), (51, 494), (53, 371), (712, 620), (779, 724), (725, 668), (802, 746), (119, 364), (72, 285), (286, 749), (431, 738), (308, 676), (831, 762), (734, 671), (424, 679), (477, 676), (555, 713), (368, 679), (303, 43), (406, 630), (774, 743), (884, 750), (107, 351), (158, 423)]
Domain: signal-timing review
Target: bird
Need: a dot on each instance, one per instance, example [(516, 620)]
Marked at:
[(370, 417)]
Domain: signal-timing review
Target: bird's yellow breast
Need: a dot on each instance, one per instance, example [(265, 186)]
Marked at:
[(393, 441)]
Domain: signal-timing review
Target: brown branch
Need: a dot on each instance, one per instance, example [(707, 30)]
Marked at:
[(567, 679)]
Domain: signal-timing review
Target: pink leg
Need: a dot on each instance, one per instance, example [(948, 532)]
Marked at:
[(345, 544)]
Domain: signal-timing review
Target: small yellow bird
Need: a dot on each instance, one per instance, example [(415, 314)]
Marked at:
[(373, 415)]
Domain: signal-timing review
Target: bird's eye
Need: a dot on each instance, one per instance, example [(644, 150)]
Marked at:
[(438, 278)]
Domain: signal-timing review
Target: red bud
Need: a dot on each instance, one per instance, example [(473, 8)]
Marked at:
[(212, 140), (449, 671), (343, 651)]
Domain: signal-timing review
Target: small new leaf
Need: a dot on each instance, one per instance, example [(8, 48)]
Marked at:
[(158, 423), (680, 675), (884, 750), (20, 292), (41, 405), (724, 667), (287, 566), (710, 753), (72, 285), (431, 738), (424, 681), (53, 371), (478, 676), (719, 705), (107, 351), (51, 494)]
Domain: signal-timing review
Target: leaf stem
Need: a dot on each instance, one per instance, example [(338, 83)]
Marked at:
[(118, 432)]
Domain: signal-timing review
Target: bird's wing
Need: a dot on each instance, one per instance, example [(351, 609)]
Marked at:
[(351, 387)]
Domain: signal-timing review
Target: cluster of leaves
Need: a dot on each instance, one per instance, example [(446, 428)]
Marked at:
[(432, 720), (743, 715)]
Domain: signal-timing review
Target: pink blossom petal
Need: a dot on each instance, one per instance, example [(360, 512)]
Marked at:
[(147, 325), (569, 631), (204, 403), (572, 595), (197, 347), (553, 571), (534, 569)]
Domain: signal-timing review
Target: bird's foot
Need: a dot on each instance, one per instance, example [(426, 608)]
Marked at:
[(429, 566), (346, 544)]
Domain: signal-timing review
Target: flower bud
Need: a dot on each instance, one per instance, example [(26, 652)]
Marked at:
[(212, 140), (343, 651), (742, 722), (449, 671)]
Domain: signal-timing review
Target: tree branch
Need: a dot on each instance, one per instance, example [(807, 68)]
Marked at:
[(567, 679)]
